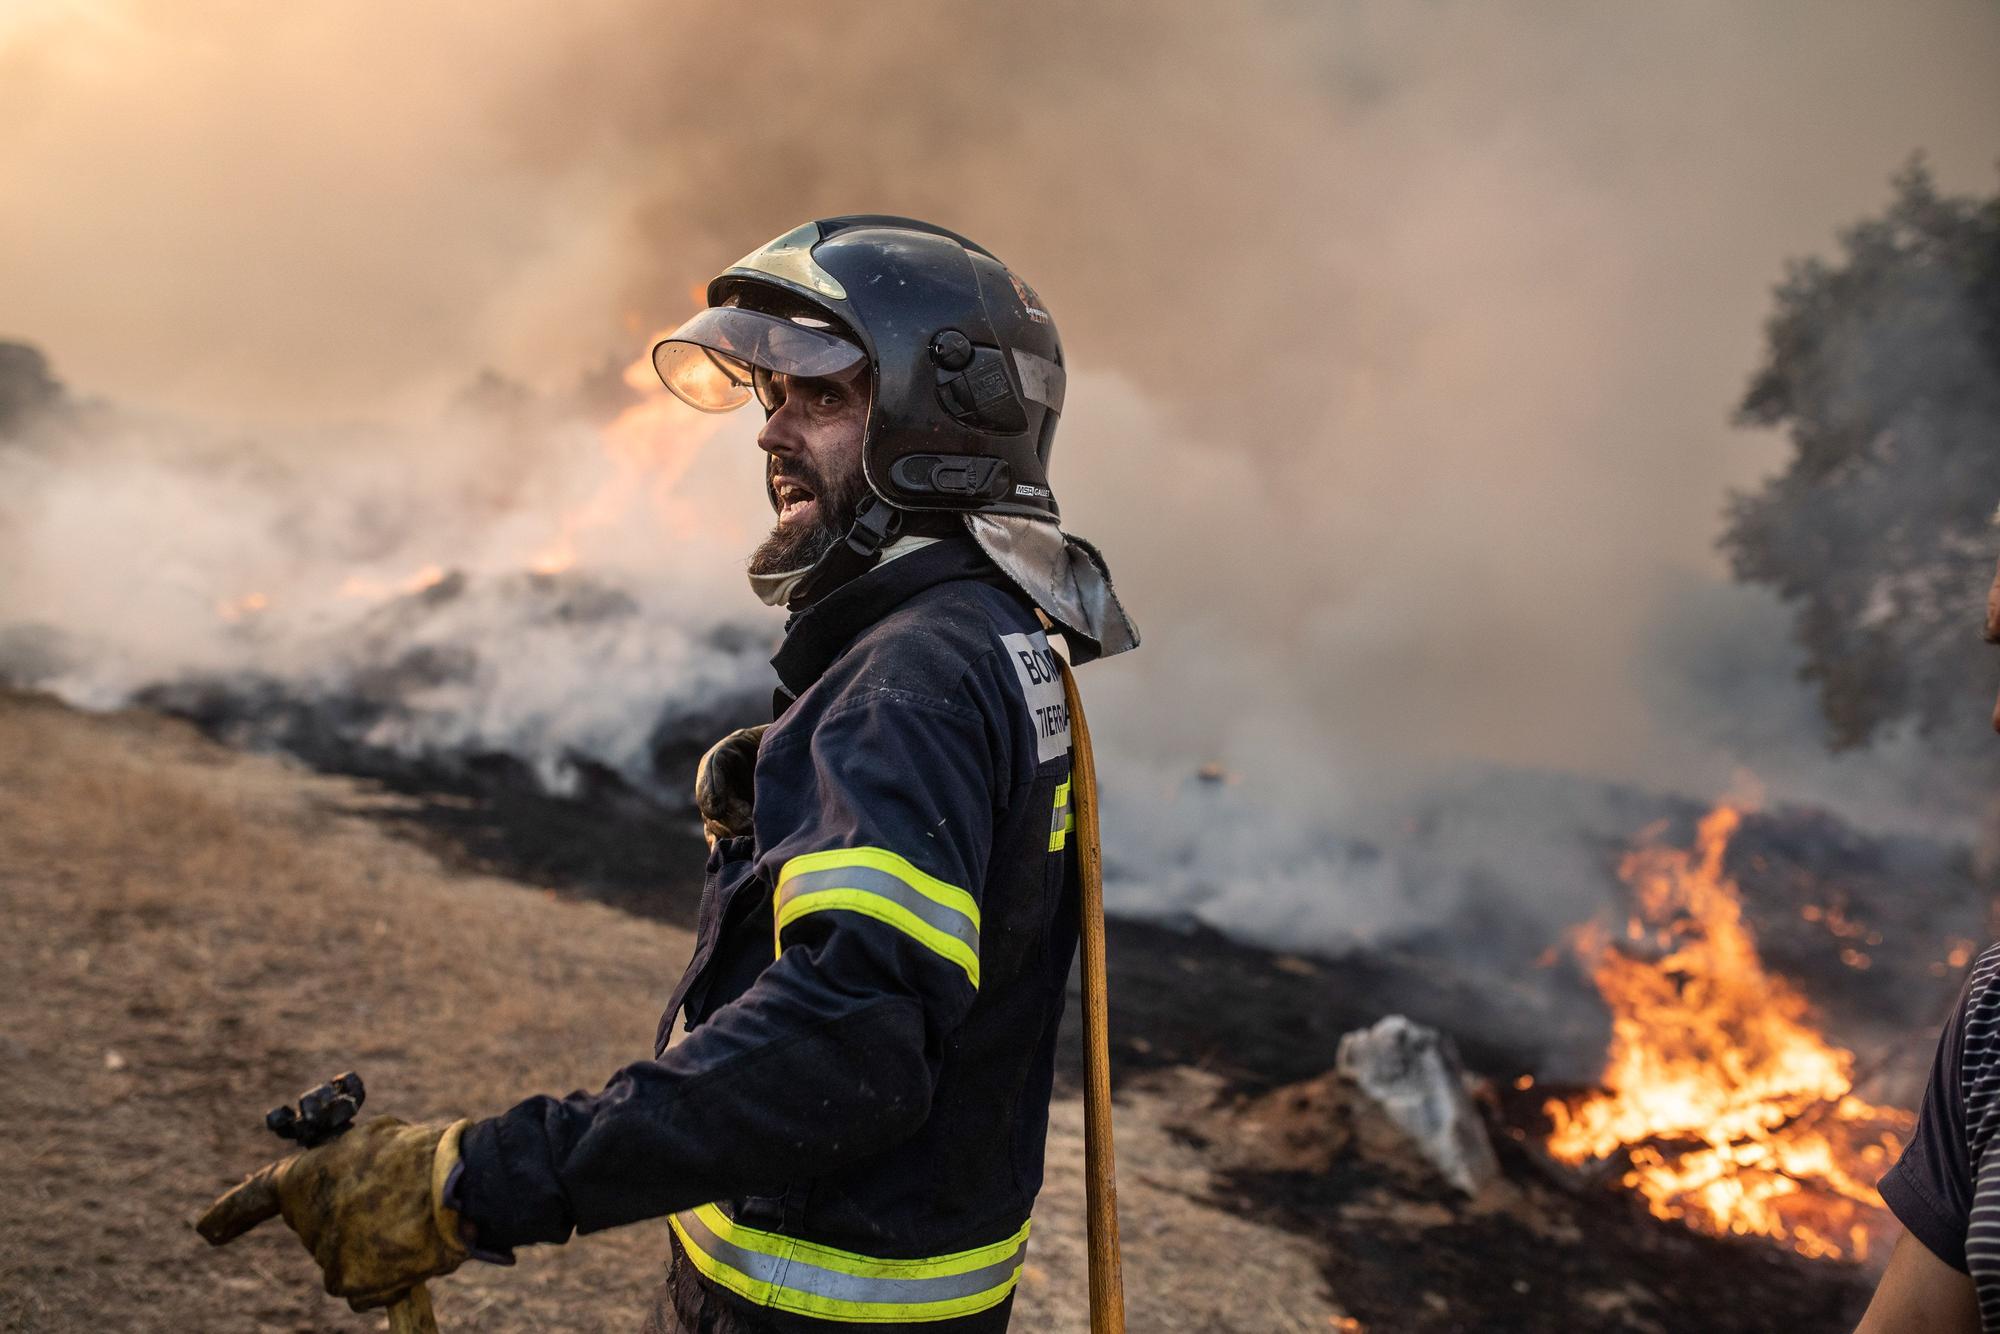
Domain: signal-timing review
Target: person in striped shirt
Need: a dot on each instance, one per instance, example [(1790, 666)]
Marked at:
[(1944, 1275)]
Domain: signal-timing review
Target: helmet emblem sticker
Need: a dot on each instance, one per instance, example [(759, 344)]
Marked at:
[(1029, 301)]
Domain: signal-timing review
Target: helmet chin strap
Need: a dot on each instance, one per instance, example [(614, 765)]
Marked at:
[(876, 524)]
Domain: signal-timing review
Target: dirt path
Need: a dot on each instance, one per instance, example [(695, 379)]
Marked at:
[(193, 935)]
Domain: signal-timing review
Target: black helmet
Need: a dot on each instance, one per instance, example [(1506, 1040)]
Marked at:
[(968, 371)]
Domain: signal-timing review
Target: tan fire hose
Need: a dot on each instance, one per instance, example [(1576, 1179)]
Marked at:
[(412, 1313), (1100, 1169)]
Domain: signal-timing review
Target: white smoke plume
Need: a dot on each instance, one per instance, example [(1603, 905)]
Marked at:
[(508, 577)]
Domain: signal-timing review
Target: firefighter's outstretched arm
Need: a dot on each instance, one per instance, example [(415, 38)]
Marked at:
[(873, 833)]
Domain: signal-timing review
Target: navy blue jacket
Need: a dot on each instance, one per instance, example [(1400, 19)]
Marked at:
[(853, 1129)]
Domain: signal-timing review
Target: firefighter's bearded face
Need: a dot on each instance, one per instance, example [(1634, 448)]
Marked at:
[(812, 466)]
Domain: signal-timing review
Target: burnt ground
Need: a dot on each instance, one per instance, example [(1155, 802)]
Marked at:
[(1865, 924), (1817, 892), (196, 933), (1406, 1252)]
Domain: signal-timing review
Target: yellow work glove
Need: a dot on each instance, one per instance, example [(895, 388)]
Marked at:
[(725, 783), (368, 1205)]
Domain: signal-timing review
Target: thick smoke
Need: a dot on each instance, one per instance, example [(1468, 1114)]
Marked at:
[(1406, 337), (509, 577)]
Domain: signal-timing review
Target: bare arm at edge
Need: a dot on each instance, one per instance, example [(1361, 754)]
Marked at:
[(1920, 1294), (1993, 630)]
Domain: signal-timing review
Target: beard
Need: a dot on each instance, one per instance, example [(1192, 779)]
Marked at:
[(799, 545)]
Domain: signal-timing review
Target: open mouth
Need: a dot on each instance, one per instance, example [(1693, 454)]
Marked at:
[(795, 502)]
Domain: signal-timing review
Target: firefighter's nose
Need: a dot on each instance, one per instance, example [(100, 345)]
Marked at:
[(776, 436)]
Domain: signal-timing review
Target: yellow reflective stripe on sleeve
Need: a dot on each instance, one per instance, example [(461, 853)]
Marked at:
[(1064, 819), (804, 1277), (877, 883)]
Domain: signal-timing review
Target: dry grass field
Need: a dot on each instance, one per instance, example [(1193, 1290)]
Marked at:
[(193, 934)]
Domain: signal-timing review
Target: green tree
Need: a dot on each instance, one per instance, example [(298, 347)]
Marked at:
[(1884, 369)]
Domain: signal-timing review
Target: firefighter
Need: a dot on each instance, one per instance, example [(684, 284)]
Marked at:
[(851, 1133)]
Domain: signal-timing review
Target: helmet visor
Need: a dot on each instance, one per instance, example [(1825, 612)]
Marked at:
[(709, 362)]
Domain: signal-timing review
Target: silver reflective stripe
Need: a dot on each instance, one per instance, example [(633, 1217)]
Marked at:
[(883, 885), (798, 1275), (791, 257), (1041, 379)]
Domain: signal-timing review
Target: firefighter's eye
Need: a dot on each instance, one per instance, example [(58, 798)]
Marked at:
[(822, 395)]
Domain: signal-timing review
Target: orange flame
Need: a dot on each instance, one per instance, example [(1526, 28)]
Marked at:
[(357, 586), (650, 446), (1734, 1114)]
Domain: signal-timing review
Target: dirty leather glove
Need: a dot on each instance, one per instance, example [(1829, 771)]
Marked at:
[(368, 1205), (725, 783)]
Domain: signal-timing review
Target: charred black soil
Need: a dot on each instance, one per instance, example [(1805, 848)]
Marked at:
[(1414, 1256)]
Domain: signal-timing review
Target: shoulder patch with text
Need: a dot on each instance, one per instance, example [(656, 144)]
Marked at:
[(1041, 685)]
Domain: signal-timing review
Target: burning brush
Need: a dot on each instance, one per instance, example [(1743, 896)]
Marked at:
[(1730, 1110)]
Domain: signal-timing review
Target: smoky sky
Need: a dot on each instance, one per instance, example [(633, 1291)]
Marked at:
[(1404, 337)]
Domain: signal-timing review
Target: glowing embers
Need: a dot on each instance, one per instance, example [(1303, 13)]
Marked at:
[(360, 586), (236, 610), (1732, 1113)]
